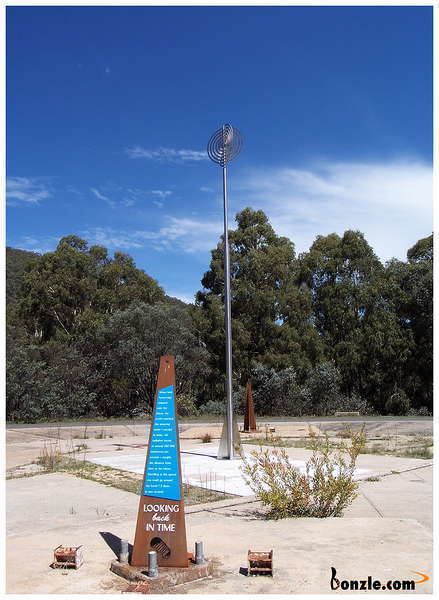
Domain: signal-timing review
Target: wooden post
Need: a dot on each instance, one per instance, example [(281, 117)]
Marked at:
[(160, 522)]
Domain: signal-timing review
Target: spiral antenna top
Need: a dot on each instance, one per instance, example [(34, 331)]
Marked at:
[(224, 145)]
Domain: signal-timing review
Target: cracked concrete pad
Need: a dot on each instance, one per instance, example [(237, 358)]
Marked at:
[(47, 510)]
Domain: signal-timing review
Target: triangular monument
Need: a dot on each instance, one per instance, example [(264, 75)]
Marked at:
[(223, 451), (249, 417), (160, 522)]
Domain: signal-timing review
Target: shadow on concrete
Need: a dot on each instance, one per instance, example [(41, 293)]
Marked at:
[(130, 445), (114, 542), (199, 453)]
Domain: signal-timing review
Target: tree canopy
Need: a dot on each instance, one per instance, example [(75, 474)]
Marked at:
[(331, 329)]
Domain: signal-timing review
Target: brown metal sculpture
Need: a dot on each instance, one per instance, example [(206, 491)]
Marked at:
[(160, 522), (249, 417)]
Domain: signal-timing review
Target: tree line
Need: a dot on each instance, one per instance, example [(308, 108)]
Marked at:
[(327, 330)]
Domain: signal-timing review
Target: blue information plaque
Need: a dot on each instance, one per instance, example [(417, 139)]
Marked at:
[(162, 478)]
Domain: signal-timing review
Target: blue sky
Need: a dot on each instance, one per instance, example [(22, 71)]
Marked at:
[(109, 111)]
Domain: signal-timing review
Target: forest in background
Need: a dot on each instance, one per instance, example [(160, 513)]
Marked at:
[(331, 329)]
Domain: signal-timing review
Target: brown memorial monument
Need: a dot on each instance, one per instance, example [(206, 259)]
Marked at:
[(249, 417), (160, 522)]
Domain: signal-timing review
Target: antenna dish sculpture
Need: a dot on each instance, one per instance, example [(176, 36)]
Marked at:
[(224, 145)]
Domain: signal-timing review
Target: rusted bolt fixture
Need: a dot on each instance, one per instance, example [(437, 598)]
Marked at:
[(199, 553), (123, 556), (153, 569)]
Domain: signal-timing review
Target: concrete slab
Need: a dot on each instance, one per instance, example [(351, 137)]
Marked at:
[(200, 467), (306, 549), (40, 517), (407, 493)]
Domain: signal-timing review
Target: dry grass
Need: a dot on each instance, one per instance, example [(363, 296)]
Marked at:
[(52, 460)]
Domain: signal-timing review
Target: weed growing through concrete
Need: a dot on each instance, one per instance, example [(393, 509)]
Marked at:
[(84, 436), (326, 487), (391, 444), (80, 447), (100, 435), (52, 460), (50, 456)]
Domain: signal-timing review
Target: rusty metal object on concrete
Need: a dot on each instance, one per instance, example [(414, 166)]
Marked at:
[(249, 417), (167, 578), (260, 563), (160, 522), (67, 557), (269, 430), (140, 587)]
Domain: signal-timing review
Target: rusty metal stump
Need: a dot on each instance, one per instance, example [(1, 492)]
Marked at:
[(67, 557), (260, 563)]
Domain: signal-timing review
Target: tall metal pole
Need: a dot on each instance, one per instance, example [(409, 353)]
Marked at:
[(223, 146), (228, 321)]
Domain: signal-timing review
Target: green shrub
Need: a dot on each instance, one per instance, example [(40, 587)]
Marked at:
[(213, 407), (422, 411), (323, 386), (278, 393), (354, 403), (186, 405), (325, 489), (398, 403)]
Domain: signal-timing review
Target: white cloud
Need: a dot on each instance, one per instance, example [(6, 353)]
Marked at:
[(206, 189), (391, 203), (39, 245), (112, 238), (103, 197), (188, 298), (186, 235), (161, 193), (166, 154), (73, 190), (26, 190)]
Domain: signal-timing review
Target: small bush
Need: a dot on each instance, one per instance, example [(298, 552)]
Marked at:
[(50, 457), (398, 403), (422, 411), (325, 489), (278, 393), (213, 407), (186, 405), (323, 386), (354, 403), (206, 438)]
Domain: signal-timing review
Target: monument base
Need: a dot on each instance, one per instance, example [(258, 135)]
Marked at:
[(222, 449), (167, 578)]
